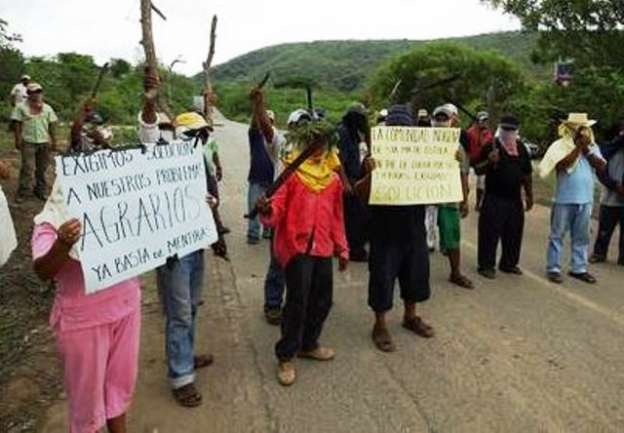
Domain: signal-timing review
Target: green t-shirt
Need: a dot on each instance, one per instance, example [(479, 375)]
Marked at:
[(35, 127), (210, 148)]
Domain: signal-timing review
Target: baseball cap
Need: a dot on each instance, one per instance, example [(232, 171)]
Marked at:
[(299, 115), (34, 87), (25, 77), (482, 116), (445, 110)]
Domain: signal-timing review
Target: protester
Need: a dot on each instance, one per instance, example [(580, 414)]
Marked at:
[(8, 240), (274, 281), (34, 125), (180, 281), (450, 214), (19, 93), (353, 130), (88, 131), (573, 156), (506, 166), (612, 206), (423, 120), (398, 250), (262, 167), (479, 135), (307, 214), (97, 335)]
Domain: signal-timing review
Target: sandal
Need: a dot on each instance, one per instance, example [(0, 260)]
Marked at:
[(461, 281), (382, 339), (584, 276), (202, 361), (418, 326), (187, 396)]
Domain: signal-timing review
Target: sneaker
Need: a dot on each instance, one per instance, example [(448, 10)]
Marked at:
[(555, 277), (490, 274), (273, 316), (319, 354), (286, 373), (595, 258), (224, 230)]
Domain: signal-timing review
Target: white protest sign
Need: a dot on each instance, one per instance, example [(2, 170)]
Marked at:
[(415, 166), (137, 208)]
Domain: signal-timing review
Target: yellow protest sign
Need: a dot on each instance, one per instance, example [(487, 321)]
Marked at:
[(415, 166)]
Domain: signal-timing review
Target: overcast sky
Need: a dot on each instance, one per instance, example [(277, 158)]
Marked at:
[(110, 28)]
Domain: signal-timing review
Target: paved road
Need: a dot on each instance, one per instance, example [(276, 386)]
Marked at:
[(518, 354)]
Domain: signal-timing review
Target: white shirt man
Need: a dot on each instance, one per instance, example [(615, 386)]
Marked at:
[(19, 93)]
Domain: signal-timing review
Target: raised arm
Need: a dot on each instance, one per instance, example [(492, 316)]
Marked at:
[(259, 117)]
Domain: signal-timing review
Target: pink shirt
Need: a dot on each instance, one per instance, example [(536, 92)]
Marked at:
[(72, 308)]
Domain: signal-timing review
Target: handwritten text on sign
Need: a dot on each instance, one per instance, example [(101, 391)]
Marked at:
[(415, 166), (137, 208)]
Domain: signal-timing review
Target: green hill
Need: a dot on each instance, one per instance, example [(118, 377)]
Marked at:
[(346, 65)]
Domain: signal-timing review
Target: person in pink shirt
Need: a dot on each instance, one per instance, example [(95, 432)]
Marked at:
[(97, 335)]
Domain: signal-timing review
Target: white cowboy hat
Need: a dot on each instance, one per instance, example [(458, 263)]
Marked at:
[(579, 119)]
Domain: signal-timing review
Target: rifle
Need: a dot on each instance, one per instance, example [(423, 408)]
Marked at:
[(287, 173)]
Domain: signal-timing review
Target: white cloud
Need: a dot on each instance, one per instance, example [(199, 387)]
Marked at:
[(111, 29)]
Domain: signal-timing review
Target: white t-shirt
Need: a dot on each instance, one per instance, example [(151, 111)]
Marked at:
[(8, 240), (20, 93)]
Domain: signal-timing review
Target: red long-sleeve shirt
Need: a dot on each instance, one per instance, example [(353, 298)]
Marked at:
[(307, 222)]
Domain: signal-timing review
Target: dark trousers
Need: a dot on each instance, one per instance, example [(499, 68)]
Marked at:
[(500, 219), (35, 157), (355, 215), (273, 283), (407, 261), (309, 292), (610, 217)]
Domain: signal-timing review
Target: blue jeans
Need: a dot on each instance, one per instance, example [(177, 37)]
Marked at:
[(254, 229), (575, 218), (180, 285), (274, 284)]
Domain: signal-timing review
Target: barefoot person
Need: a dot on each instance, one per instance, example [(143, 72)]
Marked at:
[(307, 215), (97, 335), (398, 251)]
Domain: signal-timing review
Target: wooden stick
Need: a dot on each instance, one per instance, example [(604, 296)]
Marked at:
[(151, 61), (155, 9), (287, 173), (207, 66)]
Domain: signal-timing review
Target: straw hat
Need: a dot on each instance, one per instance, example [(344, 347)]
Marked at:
[(579, 119)]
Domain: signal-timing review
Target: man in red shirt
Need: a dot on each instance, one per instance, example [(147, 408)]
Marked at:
[(479, 135), (307, 215)]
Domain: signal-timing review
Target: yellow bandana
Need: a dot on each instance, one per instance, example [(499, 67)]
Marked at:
[(315, 175)]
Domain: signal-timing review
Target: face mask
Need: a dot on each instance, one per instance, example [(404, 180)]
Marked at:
[(441, 124)]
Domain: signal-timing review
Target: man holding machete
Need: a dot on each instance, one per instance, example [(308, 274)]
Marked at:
[(306, 212)]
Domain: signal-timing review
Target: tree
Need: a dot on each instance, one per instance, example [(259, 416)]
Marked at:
[(6, 38), (589, 31), (477, 73)]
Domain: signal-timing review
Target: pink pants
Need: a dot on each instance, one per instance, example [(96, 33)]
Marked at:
[(101, 366)]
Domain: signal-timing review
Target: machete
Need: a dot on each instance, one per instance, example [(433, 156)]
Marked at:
[(98, 82), (287, 173)]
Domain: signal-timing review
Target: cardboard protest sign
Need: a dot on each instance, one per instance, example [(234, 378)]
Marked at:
[(415, 166), (137, 207)]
